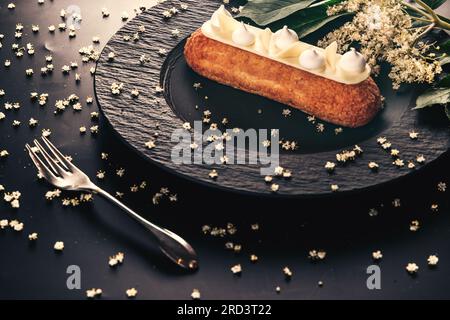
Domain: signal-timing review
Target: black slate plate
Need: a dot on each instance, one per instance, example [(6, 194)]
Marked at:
[(138, 120)]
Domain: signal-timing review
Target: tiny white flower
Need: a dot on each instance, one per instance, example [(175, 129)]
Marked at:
[(58, 246)]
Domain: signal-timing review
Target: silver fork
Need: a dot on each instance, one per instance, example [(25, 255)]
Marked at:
[(60, 172)]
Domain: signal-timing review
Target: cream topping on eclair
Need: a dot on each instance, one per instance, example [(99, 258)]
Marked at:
[(352, 62), (241, 36), (285, 37), (283, 46), (312, 60)]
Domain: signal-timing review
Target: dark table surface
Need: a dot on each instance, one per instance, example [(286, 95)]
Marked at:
[(289, 228)]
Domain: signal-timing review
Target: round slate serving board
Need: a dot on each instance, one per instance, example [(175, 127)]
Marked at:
[(152, 57)]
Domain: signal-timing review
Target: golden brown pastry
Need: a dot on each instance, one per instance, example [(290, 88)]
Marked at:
[(333, 87), (350, 105)]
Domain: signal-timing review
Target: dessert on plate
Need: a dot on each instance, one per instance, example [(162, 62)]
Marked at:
[(333, 87)]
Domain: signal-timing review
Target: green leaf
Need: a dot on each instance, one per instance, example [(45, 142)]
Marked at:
[(264, 12), (432, 97), (434, 4), (444, 82), (316, 25), (445, 47), (303, 29), (447, 111), (310, 19)]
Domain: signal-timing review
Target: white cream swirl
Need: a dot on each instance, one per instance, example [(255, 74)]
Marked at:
[(312, 60), (241, 36), (222, 22), (285, 37), (352, 62), (284, 47), (215, 19)]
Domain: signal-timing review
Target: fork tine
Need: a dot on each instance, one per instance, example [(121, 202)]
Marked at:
[(42, 168), (45, 155), (51, 162), (59, 155)]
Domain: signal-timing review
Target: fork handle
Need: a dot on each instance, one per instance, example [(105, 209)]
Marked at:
[(172, 245)]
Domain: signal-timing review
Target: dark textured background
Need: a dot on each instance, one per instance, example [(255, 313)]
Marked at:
[(92, 232), (241, 109)]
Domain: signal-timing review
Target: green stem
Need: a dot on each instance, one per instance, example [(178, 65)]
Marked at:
[(436, 19), (422, 19), (418, 10), (427, 9), (319, 3), (428, 29)]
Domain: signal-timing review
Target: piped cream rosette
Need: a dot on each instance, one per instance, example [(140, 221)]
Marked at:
[(284, 46)]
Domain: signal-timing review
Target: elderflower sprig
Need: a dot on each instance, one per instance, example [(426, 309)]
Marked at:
[(386, 32)]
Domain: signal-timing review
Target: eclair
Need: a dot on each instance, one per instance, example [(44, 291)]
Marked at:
[(332, 87)]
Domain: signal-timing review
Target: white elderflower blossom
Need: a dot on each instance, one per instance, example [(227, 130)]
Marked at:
[(385, 32)]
